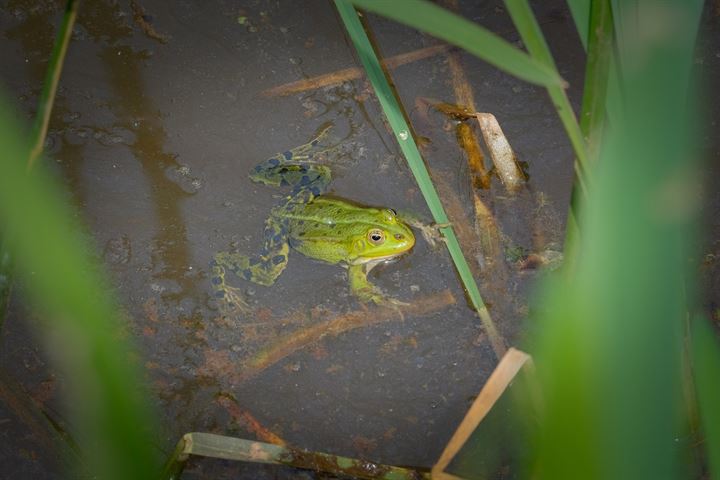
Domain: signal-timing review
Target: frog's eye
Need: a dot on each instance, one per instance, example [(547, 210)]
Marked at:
[(376, 236), (390, 215), (393, 211)]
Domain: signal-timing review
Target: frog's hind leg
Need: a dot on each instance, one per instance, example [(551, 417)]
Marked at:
[(288, 168), (262, 269)]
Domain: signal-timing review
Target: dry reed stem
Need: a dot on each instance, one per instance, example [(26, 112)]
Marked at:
[(502, 154), (499, 380)]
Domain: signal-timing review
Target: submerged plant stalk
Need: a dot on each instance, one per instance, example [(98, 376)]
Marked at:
[(230, 448)]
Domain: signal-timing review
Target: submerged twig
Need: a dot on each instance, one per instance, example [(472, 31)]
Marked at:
[(340, 76), (245, 418), (301, 338), (142, 20)]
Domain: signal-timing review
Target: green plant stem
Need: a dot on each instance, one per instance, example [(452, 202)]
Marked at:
[(597, 68), (52, 78), (593, 116), (40, 127), (403, 134)]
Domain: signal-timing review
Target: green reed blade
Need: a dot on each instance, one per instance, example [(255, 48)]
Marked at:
[(403, 134), (455, 29), (40, 127), (706, 369), (580, 11), (79, 320), (52, 78), (610, 340)]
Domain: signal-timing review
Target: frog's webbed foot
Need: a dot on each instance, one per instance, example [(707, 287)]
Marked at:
[(378, 297), (430, 231), (230, 300), (366, 292), (432, 234), (233, 303)]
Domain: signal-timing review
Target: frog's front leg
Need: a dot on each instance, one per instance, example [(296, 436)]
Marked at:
[(366, 291)]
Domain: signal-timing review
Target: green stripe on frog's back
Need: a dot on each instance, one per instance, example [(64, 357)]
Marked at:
[(333, 211), (335, 230)]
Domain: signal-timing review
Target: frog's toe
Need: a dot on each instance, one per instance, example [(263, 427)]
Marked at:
[(432, 233), (392, 302), (231, 302), (379, 298)]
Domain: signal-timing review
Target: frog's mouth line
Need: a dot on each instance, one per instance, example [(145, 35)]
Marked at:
[(385, 259)]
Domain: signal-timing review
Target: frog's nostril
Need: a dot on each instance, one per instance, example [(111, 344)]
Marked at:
[(399, 236)]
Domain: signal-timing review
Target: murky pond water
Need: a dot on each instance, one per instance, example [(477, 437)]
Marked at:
[(159, 119)]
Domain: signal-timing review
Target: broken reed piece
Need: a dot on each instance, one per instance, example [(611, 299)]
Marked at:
[(466, 137), (501, 152)]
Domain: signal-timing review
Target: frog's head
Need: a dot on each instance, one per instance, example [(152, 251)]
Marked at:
[(382, 238)]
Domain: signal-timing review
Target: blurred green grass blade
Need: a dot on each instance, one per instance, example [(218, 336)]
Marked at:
[(610, 340), (81, 325), (580, 11), (532, 36), (706, 368), (597, 69), (394, 114), (42, 120), (592, 113), (455, 29)]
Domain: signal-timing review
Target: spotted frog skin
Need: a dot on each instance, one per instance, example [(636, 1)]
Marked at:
[(324, 228)]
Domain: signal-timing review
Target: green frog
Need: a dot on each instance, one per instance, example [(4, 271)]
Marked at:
[(325, 228)]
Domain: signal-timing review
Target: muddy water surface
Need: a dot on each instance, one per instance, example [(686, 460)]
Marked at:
[(159, 118)]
